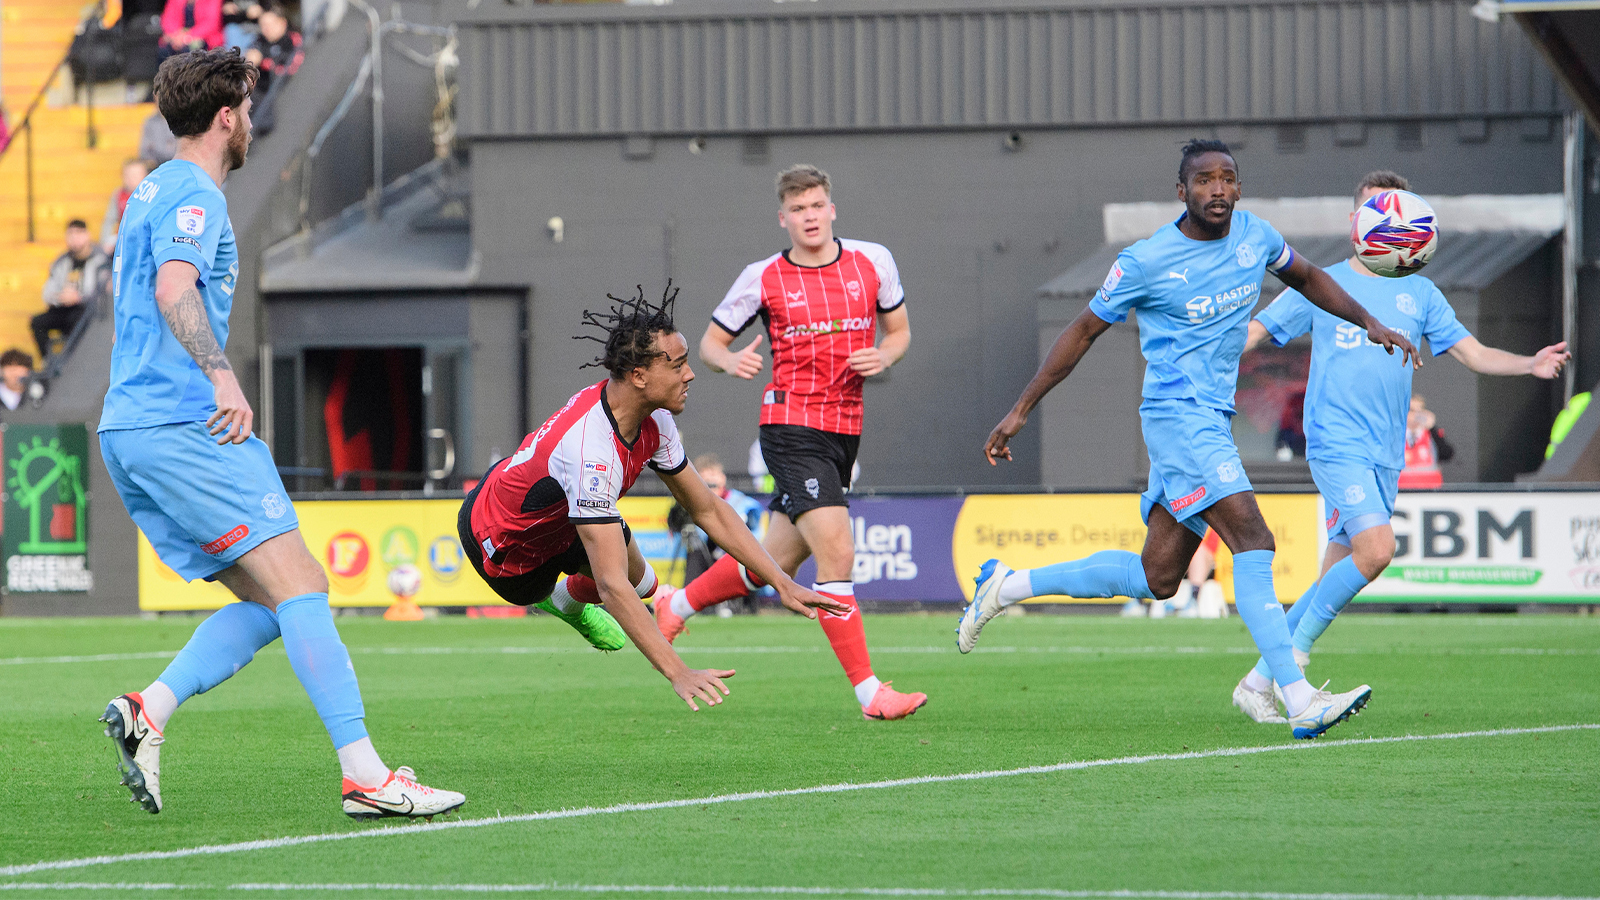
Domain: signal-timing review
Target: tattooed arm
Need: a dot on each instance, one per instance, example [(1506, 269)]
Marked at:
[(185, 311)]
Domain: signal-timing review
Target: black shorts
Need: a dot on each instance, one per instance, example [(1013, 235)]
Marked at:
[(810, 468), (529, 587)]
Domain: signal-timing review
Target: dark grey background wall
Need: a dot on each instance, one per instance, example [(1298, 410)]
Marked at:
[(975, 227)]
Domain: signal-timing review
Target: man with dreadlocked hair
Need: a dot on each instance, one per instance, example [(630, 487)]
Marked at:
[(551, 509)]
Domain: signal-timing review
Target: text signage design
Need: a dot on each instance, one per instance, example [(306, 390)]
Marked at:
[(46, 521)]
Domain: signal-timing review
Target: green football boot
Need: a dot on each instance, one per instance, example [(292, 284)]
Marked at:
[(595, 624)]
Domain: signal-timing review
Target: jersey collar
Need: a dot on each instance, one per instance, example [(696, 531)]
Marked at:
[(838, 256), (606, 405)]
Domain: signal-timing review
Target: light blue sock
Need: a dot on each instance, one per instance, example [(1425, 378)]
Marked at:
[(1109, 573), (323, 666), (1334, 591), (1292, 620), (223, 644), (1258, 606)]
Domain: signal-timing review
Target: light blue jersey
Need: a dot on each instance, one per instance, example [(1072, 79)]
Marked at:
[(176, 213), (1357, 394), (1194, 300)]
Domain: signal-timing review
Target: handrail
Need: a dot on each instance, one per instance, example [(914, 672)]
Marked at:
[(27, 117)]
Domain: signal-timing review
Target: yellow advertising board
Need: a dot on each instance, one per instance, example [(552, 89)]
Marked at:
[(1030, 530), (360, 541)]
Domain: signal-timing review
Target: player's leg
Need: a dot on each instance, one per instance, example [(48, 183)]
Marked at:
[(575, 599), (727, 578), (1253, 695), (1362, 498)]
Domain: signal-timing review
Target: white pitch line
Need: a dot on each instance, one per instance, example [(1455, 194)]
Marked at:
[(586, 811), (762, 890), (780, 649)]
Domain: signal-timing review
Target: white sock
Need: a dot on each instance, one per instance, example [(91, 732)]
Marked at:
[(1256, 681), (867, 689), (360, 763), (1298, 696), (647, 585), (159, 704), (1018, 586), (680, 604), (562, 599)]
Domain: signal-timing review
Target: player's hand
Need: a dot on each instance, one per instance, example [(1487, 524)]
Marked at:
[(995, 448), (231, 423), (868, 361), (747, 363), (1547, 363), (1391, 340), (706, 684), (806, 602)]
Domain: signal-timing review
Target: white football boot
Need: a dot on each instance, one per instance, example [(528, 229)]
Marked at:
[(1327, 710), (985, 604), (138, 746), (1260, 706), (401, 795)]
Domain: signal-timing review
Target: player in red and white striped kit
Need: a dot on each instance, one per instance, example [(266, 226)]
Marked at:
[(551, 508), (822, 301)]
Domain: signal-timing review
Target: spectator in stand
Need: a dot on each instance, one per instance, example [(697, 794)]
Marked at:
[(278, 54), (239, 23), (15, 367), (78, 279), (698, 549), (190, 25), (133, 172), (1425, 447), (156, 143)]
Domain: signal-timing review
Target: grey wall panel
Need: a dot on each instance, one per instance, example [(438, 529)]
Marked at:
[(579, 71)]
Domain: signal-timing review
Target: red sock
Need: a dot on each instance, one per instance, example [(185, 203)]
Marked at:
[(846, 633), (583, 589), (725, 580)]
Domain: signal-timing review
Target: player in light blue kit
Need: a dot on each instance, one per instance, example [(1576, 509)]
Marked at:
[(1355, 423), (1194, 283), (175, 435)]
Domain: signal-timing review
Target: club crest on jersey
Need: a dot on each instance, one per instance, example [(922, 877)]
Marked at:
[(1246, 255), (273, 505), (854, 288), (1354, 494), (1227, 473), (1406, 304), (191, 219)]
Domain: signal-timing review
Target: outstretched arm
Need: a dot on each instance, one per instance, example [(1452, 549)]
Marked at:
[(1545, 364), (1064, 355), (1320, 288), (181, 305), (728, 531), (608, 561)]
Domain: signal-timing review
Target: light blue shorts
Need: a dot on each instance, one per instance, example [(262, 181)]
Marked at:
[(1193, 460), (201, 505), (1357, 495)]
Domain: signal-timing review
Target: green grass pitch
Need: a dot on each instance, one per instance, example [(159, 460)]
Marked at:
[(524, 719)]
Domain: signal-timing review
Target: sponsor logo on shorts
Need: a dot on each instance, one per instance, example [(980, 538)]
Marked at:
[(594, 504), (180, 239), (1332, 520), (191, 219), (1246, 255), (1183, 503), (813, 488), (239, 533), (1228, 473), (274, 506), (1355, 493)]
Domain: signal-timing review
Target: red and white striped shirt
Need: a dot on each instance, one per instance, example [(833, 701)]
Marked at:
[(816, 316), (573, 469)]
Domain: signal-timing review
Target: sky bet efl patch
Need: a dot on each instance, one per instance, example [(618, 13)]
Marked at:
[(191, 219)]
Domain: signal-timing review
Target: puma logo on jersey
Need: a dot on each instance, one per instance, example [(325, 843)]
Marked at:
[(1183, 276)]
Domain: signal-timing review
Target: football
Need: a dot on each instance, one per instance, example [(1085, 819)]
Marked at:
[(405, 581), (1395, 233)]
